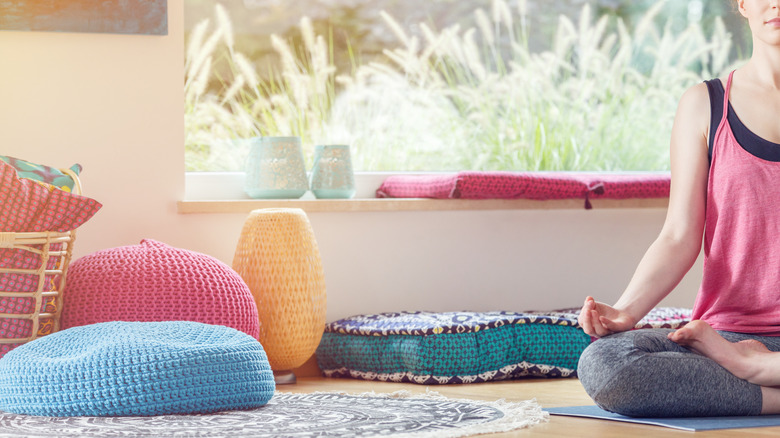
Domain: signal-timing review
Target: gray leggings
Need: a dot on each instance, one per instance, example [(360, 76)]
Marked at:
[(640, 373)]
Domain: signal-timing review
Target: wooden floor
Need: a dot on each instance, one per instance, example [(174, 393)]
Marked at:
[(548, 392)]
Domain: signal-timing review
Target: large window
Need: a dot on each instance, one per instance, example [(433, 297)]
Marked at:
[(435, 85)]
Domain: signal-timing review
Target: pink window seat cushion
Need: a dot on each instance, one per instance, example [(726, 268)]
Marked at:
[(527, 185)]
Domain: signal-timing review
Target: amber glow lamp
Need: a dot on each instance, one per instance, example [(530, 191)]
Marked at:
[(278, 258)]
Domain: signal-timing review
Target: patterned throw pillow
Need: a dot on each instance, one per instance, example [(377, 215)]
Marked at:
[(30, 205), (462, 347), (43, 173)]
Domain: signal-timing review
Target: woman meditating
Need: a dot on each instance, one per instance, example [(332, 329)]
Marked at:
[(725, 163)]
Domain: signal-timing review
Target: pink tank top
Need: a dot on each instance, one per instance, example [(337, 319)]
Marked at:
[(740, 290)]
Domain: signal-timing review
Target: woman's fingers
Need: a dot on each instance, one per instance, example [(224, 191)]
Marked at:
[(599, 320), (585, 324), (598, 326), (585, 319), (590, 319)]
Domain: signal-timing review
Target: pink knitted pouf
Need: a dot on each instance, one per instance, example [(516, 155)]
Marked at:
[(156, 282)]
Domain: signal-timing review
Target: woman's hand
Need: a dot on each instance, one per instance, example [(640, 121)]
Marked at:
[(599, 319)]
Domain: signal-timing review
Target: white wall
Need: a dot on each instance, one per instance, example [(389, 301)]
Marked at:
[(114, 103)]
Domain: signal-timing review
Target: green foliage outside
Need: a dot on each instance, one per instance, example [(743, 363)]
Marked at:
[(601, 98)]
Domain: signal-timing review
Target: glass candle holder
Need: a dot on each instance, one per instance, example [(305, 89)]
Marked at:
[(332, 176), (275, 168)]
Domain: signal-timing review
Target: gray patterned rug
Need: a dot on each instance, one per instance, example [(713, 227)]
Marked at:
[(400, 414)]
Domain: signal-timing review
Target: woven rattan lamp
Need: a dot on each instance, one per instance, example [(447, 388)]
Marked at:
[(278, 258)]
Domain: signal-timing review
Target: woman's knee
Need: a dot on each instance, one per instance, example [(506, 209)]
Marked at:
[(599, 363), (609, 369)]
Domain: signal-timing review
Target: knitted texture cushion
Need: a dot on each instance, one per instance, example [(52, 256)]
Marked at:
[(156, 282), (136, 368), (526, 185), (462, 347)]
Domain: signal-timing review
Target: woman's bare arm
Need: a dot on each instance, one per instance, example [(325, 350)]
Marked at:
[(678, 245)]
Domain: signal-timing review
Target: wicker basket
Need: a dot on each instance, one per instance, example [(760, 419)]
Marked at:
[(33, 267)]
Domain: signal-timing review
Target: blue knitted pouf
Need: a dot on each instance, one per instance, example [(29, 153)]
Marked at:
[(136, 368)]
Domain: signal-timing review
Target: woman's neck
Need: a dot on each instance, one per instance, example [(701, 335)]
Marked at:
[(763, 68)]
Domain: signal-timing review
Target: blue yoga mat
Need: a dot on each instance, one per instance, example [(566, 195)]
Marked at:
[(692, 424)]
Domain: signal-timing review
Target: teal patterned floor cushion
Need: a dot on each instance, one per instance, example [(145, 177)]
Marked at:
[(462, 347)]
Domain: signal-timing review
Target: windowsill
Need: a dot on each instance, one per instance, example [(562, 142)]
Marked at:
[(210, 193), (410, 204)]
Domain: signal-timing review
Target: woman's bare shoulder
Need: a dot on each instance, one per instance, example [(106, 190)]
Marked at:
[(694, 107), (696, 95)]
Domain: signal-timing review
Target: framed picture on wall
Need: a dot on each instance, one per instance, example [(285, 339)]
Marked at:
[(146, 17)]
